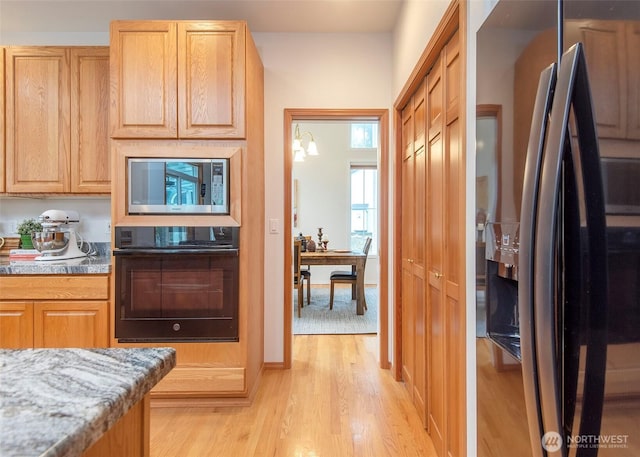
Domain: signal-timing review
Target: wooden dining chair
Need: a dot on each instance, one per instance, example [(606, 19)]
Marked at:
[(299, 275), (350, 277)]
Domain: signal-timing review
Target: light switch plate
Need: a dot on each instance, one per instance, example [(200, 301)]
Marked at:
[(274, 226)]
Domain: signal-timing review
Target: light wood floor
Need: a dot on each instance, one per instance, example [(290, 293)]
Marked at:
[(335, 401), (502, 425)]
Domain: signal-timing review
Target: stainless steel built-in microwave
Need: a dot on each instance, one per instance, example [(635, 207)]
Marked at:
[(180, 185)]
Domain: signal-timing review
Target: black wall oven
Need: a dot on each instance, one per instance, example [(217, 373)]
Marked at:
[(176, 284)]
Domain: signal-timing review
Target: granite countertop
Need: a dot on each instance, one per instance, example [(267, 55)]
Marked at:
[(58, 402), (100, 263)]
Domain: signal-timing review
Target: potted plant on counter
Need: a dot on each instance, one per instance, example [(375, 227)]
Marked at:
[(25, 229)]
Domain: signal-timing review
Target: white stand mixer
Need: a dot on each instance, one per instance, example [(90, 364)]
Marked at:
[(58, 241)]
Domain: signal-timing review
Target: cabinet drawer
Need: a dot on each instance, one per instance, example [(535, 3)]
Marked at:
[(54, 287)]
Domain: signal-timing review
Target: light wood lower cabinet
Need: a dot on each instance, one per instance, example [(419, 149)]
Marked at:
[(127, 437), (16, 325), (54, 311), (70, 324)]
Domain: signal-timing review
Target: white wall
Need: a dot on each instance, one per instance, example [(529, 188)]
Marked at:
[(94, 214), (477, 12), (417, 21), (309, 71), (500, 49), (324, 192)]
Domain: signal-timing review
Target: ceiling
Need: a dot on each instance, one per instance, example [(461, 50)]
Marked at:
[(542, 14), (319, 16)]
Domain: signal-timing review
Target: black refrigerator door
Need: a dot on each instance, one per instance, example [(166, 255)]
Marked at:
[(557, 265), (528, 214)]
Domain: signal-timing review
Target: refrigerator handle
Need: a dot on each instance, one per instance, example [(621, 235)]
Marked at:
[(528, 212), (597, 266), (572, 89)]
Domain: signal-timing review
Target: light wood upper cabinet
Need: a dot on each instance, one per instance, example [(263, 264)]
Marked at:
[(612, 52), (90, 163), (38, 149), (605, 48), (57, 119), (211, 79), (144, 79), (633, 65), (181, 79)]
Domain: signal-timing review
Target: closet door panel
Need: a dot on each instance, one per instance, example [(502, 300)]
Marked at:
[(407, 304)]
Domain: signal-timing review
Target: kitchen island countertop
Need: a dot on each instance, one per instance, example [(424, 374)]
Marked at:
[(58, 402)]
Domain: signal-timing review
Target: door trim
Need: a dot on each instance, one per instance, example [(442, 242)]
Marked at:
[(382, 116)]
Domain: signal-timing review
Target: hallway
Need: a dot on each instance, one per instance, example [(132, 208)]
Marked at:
[(335, 401)]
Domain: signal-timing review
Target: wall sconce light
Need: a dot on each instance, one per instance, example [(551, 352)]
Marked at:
[(299, 151)]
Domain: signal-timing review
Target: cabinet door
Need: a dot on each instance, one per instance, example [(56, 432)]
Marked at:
[(37, 123), (633, 74), (16, 325), (605, 49), (143, 75), (211, 79), (90, 164), (71, 324)]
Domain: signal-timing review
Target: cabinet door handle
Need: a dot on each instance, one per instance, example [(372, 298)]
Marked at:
[(438, 275)]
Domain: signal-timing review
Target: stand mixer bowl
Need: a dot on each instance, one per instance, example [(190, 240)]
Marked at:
[(49, 241)]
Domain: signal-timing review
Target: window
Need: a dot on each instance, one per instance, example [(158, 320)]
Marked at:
[(181, 183), (364, 206), (364, 135)]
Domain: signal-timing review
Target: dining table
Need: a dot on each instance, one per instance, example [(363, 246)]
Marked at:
[(356, 259)]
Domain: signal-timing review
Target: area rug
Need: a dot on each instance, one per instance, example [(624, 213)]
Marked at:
[(317, 319)]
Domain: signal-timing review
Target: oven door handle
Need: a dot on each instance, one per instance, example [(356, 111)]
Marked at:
[(150, 251)]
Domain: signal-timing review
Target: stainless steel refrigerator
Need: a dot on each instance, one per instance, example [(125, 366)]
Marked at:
[(559, 348)]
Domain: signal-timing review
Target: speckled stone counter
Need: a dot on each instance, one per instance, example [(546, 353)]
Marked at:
[(86, 265), (58, 402), (100, 263)]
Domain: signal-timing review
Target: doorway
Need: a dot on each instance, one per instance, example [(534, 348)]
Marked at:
[(382, 117)]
